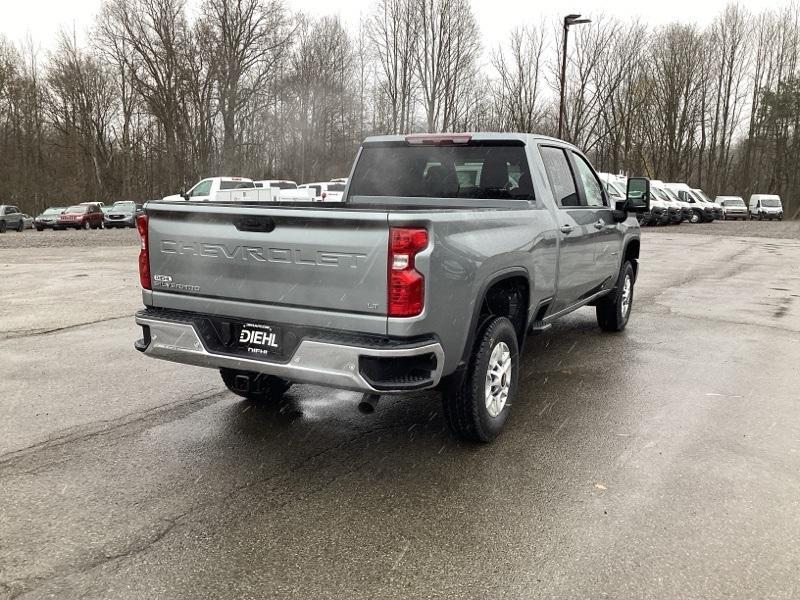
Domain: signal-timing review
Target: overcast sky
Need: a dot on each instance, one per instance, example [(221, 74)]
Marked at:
[(42, 18)]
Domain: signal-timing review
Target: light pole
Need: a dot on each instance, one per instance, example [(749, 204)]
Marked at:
[(568, 20)]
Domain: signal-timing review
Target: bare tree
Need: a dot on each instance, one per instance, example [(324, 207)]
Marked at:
[(250, 36), (393, 31), (82, 105), (156, 33), (518, 90), (446, 56)]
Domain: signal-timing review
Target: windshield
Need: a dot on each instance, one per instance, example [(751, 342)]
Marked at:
[(53, 211), (614, 190), (335, 187), (659, 194), (734, 202), (702, 195), (671, 195), (128, 206), (497, 171), (283, 185), (770, 202), (76, 209)]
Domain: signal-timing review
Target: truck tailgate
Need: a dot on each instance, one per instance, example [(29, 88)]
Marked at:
[(313, 258)]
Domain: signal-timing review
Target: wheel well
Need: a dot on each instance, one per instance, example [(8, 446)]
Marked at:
[(632, 255), (507, 298)]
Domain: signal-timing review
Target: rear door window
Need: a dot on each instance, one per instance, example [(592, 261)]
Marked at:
[(559, 173), (497, 170)]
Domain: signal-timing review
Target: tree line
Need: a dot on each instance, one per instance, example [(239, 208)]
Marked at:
[(158, 97)]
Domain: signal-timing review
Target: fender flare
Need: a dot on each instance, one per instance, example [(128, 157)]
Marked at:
[(474, 323)]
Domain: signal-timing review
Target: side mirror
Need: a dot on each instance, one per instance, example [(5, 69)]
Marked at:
[(183, 194), (638, 195)]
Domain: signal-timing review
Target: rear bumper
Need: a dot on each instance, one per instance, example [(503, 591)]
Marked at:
[(328, 363)]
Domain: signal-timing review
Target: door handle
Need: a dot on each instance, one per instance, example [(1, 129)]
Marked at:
[(566, 228), (599, 224)]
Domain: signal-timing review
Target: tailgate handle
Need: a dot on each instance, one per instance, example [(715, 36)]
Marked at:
[(255, 224)]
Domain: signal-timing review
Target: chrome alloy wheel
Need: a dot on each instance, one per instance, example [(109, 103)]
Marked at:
[(627, 295), (498, 379)]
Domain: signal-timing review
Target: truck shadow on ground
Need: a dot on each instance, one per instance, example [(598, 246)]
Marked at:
[(554, 368)]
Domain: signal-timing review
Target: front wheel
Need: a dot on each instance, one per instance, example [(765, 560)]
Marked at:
[(256, 387), (614, 309), (695, 217), (477, 402)]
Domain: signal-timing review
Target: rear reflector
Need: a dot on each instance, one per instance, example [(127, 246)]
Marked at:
[(406, 285), (144, 253), (435, 139)]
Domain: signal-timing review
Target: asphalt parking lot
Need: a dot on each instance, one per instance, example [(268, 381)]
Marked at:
[(663, 462)]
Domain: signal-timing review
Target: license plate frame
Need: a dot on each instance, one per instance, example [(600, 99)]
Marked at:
[(257, 339)]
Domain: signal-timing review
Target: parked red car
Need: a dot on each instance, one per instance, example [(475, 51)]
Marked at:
[(81, 216)]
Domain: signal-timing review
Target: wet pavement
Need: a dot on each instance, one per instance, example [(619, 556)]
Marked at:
[(663, 462)]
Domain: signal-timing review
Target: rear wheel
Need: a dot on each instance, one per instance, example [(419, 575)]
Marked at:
[(256, 387), (39, 228), (3, 226), (477, 402), (614, 309)]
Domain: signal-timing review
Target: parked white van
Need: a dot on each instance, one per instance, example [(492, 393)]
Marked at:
[(765, 206), (702, 207)]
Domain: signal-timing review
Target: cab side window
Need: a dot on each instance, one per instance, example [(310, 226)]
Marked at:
[(591, 185), (559, 173)]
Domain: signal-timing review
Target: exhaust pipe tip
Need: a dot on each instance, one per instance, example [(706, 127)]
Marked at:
[(368, 404)]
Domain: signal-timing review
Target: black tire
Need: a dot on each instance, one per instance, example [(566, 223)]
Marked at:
[(86, 225), (614, 309), (464, 399), (3, 226), (696, 217), (256, 387), (20, 226)]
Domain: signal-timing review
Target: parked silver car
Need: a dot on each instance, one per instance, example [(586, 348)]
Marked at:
[(10, 218), (122, 214), (733, 207), (48, 218)]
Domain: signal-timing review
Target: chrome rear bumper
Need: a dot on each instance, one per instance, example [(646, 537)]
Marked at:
[(314, 362)]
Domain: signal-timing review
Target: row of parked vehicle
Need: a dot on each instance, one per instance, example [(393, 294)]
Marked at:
[(86, 215), (96, 215), (266, 190), (674, 203)]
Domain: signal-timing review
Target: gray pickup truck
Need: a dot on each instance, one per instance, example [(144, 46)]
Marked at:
[(446, 251)]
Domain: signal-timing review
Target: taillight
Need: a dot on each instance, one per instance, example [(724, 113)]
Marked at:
[(406, 293), (144, 253)]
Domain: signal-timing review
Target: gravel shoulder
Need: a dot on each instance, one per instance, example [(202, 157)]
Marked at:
[(761, 229), (70, 238)]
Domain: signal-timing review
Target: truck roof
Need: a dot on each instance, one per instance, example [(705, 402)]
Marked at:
[(478, 136)]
